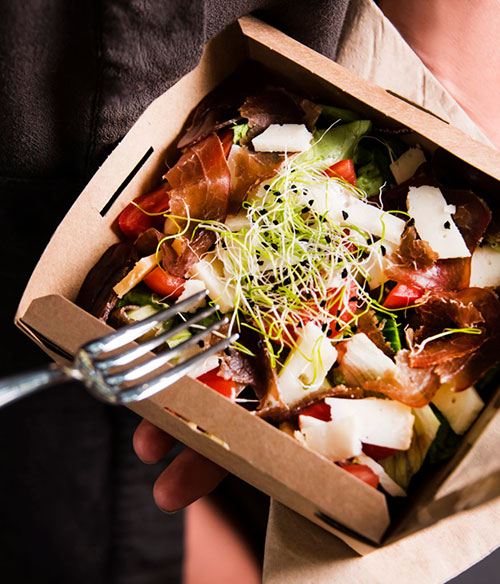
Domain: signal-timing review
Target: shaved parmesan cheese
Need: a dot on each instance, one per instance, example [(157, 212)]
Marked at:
[(346, 209), (307, 365), (383, 422), (405, 166), (376, 262), (336, 440), (485, 267), (364, 361), (283, 138), (210, 271), (205, 366), (460, 408), (193, 286), (136, 275), (434, 223)]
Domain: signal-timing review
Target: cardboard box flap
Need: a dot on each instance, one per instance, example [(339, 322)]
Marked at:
[(316, 72), (264, 454)]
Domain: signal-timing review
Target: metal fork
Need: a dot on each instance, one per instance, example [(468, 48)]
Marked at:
[(118, 373)]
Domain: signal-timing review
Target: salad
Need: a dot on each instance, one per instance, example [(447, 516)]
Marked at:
[(363, 288)]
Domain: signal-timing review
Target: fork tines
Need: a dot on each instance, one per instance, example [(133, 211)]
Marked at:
[(112, 374)]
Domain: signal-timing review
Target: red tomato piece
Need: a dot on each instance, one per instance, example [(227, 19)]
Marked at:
[(164, 284), (402, 296), (343, 169), (378, 452), (321, 411), (363, 473), (225, 387), (132, 221)]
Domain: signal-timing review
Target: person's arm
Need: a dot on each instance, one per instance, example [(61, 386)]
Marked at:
[(458, 42)]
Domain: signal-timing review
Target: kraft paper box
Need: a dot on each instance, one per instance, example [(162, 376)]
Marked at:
[(207, 422)]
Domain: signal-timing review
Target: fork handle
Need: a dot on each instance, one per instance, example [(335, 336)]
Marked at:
[(20, 385)]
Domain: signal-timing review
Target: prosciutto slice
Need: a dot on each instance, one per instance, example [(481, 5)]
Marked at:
[(413, 386), (219, 108), (200, 183), (460, 358), (248, 169), (275, 105), (450, 274), (280, 413)]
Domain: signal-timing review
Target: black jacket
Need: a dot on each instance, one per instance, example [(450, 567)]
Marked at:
[(76, 503)]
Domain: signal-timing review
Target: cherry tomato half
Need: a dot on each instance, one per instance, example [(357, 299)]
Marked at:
[(225, 387), (164, 284), (343, 169), (364, 473), (132, 221), (402, 296)]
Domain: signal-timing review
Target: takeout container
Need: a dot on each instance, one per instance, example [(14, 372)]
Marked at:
[(197, 416)]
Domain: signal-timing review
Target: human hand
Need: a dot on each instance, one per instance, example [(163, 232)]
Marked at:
[(187, 478)]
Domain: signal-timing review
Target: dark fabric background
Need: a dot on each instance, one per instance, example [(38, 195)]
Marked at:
[(74, 76)]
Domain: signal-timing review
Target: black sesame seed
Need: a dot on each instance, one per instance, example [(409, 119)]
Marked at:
[(353, 299), (300, 325), (411, 222), (276, 222), (201, 344), (337, 326), (328, 239), (227, 351), (310, 202), (329, 333), (276, 193), (345, 215), (447, 225), (383, 251), (293, 188), (344, 273), (322, 303), (260, 262), (266, 187), (324, 327), (305, 210), (274, 246), (354, 328)]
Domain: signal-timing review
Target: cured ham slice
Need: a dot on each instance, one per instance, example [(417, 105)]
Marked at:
[(200, 183)]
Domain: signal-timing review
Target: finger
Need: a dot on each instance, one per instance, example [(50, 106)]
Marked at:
[(150, 443), (188, 477)]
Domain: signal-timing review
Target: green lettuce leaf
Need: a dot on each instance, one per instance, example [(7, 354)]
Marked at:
[(335, 144), (405, 463), (331, 113), (446, 443), (372, 163), (239, 132)]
